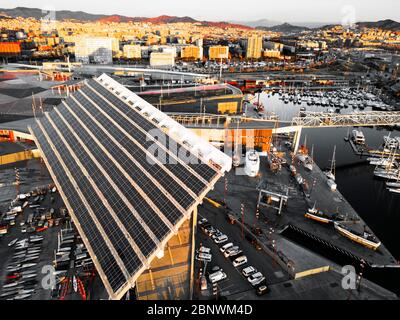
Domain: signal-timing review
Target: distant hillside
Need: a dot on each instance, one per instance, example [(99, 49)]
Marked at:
[(61, 15), (223, 24), (257, 23), (382, 24), (113, 18), (284, 28), (160, 19), (83, 16)]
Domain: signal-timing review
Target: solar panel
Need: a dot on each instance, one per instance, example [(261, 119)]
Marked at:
[(124, 200), (97, 245), (201, 168)]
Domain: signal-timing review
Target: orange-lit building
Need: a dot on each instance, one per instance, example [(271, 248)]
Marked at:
[(218, 52), (10, 49), (191, 52)]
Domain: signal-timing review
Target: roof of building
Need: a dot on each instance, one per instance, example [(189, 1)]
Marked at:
[(128, 174)]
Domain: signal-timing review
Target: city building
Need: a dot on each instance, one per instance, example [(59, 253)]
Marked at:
[(218, 52), (191, 52), (254, 47), (95, 49), (132, 51), (10, 49), (162, 59), (272, 54)]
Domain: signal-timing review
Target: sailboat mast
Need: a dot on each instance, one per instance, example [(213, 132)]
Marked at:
[(333, 163)]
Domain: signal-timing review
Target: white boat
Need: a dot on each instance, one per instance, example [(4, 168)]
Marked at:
[(397, 190), (11, 285), (331, 173), (384, 162), (26, 291), (391, 143), (252, 163), (21, 196), (317, 215), (22, 296), (393, 184), (13, 242), (387, 174), (366, 239), (17, 209), (332, 185), (358, 137), (29, 276)]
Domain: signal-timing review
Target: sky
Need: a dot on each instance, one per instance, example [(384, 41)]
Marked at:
[(237, 10)]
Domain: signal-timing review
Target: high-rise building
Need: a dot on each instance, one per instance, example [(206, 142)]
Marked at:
[(218, 52), (95, 49), (162, 59), (254, 47), (199, 43), (191, 52), (132, 51)]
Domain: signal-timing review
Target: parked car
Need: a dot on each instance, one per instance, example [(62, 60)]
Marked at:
[(203, 249), (226, 247), (210, 231), (248, 271), (217, 276), (231, 251), (203, 257), (256, 278), (215, 269), (216, 234), (239, 261), (262, 289), (221, 239), (202, 221)]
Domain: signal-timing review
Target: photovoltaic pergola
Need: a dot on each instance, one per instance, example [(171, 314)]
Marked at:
[(128, 174)]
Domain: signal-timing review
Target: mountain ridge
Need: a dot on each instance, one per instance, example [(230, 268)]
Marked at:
[(36, 13)]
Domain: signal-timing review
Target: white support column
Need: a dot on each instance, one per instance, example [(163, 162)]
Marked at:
[(297, 137)]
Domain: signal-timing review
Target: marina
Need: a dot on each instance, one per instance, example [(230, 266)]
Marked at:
[(301, 196)]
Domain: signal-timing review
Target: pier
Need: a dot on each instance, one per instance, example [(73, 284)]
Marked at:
[(315, 258)]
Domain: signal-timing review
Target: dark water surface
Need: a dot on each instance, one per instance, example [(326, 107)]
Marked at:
[(368, 196)]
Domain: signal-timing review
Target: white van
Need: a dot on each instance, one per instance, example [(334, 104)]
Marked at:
[(204, 250), (217, 276), (204, 257), (240, 261), (226, 247), (221, 239)]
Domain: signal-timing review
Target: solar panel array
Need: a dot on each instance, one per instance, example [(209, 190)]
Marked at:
[(125, 202)]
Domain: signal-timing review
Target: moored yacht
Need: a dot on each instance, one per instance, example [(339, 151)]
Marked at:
[(365, 238), (358, 137), (252, 163), (317, 215)]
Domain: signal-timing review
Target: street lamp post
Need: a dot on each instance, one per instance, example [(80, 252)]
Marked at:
[(359, 278)]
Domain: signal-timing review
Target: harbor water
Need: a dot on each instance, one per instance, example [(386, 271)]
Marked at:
[(379, 208)]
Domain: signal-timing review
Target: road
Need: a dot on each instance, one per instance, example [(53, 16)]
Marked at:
[(235, 284)]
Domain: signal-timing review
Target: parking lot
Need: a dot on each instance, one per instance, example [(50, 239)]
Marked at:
[(235, 286), (29, 244)]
